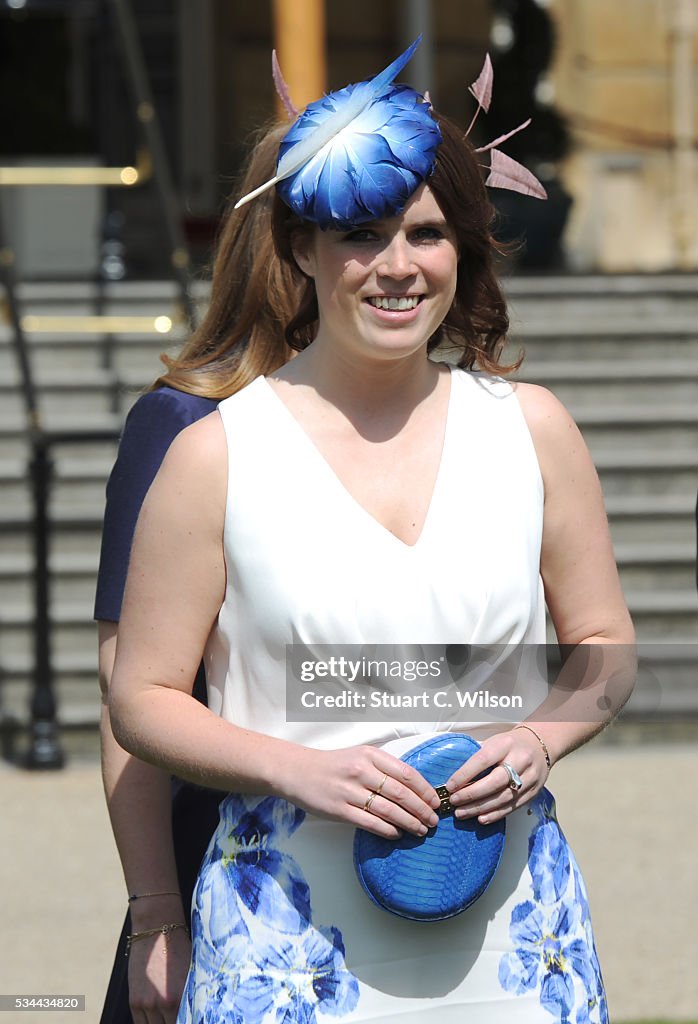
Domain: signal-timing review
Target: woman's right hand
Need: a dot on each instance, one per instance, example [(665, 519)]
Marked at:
[(363, 786)]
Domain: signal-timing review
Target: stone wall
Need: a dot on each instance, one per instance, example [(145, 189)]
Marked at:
[(616, 80)]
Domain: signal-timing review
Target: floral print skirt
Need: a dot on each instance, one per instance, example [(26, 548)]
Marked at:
[(283, 933)]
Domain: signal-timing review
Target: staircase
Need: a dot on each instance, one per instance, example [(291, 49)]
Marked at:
[(86, 382), (622, 353)]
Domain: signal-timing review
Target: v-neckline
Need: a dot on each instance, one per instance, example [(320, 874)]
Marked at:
[(343, 489)]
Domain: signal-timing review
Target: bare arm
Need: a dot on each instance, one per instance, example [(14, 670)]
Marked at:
[(140, 808), (178, 549), (138, 798), (138, 795), (588, 610), (582, 587)]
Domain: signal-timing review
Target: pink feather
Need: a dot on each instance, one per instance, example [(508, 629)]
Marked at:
[(481, 88), (503, 138), (282, 88), (508, 173)]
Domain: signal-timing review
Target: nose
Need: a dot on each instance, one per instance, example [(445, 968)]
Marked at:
[(396, 259)]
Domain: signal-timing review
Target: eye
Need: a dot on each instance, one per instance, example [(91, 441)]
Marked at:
[(427, 233), (360, 235)]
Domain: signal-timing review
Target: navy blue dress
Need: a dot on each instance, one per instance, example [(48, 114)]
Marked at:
[(151, 426)]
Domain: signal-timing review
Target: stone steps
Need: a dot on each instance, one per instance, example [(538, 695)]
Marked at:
[(615, 383), (552, 340)]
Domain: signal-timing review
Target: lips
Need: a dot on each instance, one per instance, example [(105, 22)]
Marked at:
[(395, 302)]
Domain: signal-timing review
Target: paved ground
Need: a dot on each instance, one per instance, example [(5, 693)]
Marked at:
[(629, 811)]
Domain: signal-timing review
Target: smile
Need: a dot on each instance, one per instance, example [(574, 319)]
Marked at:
[(395, 302)]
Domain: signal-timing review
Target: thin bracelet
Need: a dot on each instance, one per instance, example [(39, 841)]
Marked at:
[(164, 929), (146, 895), (540, 740)]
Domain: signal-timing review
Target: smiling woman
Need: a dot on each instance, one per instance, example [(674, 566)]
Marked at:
[(423, 504), (476, 322)]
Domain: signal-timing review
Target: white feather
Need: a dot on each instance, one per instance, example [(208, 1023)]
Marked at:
[(305, 150)]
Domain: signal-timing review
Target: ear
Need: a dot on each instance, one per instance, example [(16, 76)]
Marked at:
[(304, 252)]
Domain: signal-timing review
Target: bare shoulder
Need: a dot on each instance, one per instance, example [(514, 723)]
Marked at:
[(563, 456), (201, 442), (195, 467), (553, 429), (542, 410)]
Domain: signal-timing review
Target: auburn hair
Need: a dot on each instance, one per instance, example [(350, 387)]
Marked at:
[(254, 294)]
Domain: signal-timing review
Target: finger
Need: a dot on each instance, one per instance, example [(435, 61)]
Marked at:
[(406, 800), (395, 814), (493, 784), (495, 815), (500, 802), (170, 1013), (143, 1015), (409, 777), (149, 1014), (476, 764)]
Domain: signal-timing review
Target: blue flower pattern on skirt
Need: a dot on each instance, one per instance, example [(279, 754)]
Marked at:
[(551, 934), (257, 954)]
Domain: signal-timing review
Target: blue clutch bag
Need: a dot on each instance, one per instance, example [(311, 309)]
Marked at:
[(441, 874)]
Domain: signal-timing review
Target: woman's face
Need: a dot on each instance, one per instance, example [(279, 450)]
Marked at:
[(384, 287)]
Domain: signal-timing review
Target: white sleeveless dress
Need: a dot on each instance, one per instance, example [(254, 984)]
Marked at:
[(282, 931)]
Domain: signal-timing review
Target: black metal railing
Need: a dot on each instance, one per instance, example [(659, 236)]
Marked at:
[(44, 749)]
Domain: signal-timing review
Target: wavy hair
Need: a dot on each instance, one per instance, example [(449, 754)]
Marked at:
[(254, 294)]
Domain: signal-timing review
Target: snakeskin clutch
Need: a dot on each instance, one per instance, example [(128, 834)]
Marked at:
[(439, 875)]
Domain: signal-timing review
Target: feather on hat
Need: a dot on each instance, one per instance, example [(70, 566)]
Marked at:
[(359, 153)]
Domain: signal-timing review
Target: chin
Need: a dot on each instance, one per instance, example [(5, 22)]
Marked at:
[(395, 347)]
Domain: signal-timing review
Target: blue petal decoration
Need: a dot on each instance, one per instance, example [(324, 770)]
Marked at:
[(370, 167), (549, 862), (356, 98)]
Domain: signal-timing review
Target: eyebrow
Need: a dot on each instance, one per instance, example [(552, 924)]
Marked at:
[(437, 222)]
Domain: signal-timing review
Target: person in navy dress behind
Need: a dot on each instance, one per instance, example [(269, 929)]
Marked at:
[(162, 825)]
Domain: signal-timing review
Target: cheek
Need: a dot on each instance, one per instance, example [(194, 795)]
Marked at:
[(447, 272), (337, 280)]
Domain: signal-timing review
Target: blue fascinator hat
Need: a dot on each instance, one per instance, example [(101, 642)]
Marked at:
[(357, 154)]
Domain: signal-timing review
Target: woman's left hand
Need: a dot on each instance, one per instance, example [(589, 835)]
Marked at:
[(498, 793)]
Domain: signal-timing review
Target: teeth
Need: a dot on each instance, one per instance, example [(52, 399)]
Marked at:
[(405, 302)]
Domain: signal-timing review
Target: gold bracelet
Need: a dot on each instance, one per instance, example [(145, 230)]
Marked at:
[(164, 929), (540, 740), (147, 895)]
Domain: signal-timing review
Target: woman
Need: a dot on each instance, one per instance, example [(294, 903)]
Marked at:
[(424, 504), (241, 336)]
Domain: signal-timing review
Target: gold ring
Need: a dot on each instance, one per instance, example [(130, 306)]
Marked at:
[(371, 797), (379, 787)]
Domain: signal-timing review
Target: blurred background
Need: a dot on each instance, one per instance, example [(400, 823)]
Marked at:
[(123, 127)]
